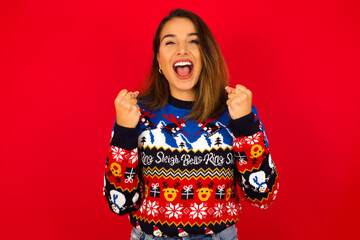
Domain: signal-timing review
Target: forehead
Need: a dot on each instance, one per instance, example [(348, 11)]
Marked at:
[(178, 26)]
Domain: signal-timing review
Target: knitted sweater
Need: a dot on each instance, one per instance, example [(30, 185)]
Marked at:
[(189, 171)]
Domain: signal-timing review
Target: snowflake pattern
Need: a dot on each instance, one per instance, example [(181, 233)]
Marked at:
[(118, 153), (218, 209), (173, 211), (143, 207), (253, 139), (198, 211), (152, 208), (133, 158), (231, 209), (239, 143)]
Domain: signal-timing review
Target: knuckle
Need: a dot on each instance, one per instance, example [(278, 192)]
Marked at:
[(124, 91), (124, 103), (134, 108), (237, 101), (232, 95), (239, 86), (117, 101)]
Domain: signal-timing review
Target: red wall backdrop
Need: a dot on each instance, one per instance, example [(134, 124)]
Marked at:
[(63, 62)]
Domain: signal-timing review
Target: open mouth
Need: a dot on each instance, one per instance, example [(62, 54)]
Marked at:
[(183, 68)]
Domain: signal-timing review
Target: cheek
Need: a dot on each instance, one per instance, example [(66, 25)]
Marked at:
[(198, 61), (200, 66), (197, 54), (164, 57)]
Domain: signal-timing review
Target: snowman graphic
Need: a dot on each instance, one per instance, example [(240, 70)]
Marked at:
[(117, 200), (258, 181)]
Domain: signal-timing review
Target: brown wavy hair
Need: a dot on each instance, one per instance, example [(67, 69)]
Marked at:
[(210, 90)]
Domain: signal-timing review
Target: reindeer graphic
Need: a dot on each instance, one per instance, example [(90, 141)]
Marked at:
[(207, 126), (145, 119), (174, 127)]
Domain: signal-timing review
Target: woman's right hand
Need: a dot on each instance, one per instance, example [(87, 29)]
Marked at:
[(127, 110)]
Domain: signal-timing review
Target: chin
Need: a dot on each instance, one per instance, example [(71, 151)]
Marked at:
[(185, 85)]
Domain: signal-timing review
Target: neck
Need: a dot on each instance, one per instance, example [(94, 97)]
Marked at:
[(184, 96)]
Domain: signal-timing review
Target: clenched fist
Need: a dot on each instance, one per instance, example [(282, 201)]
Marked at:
[(239, 102), (127, 110)]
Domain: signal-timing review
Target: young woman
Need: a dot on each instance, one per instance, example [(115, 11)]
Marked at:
[(179, 149)]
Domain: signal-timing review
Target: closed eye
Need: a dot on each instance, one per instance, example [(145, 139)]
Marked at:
[(169, 43), (194, 41)]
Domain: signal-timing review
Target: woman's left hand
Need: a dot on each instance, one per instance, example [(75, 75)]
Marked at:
[(239, 102)]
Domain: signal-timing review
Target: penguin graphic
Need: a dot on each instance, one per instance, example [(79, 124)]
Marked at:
[(145, 119), (208, 127), (175, 126)]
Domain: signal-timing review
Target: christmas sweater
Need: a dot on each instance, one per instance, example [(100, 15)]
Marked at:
[(189, 171)]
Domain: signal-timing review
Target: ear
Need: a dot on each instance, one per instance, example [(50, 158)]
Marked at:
[(158, 59)]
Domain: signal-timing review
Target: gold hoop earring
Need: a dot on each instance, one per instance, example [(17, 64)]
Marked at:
[(160, 71)]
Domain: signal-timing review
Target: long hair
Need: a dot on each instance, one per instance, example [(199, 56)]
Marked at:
[(210, 89)]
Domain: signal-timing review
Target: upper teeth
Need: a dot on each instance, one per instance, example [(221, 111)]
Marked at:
[(182, 64)]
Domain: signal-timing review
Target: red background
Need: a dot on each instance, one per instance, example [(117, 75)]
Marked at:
[(62, 64)]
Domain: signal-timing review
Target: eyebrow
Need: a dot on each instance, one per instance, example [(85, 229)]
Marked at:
[(173, 35)]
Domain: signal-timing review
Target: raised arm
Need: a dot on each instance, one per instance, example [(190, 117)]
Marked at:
[(121, 184), (259, 180)]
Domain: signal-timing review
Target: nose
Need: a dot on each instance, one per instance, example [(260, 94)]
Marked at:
[(182, 49), (182, 52)]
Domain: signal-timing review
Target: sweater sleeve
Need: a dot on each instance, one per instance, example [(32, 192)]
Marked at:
[(258, 180), (121, 183)]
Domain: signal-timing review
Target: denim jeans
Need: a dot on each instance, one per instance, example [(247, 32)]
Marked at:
[(229, 233)]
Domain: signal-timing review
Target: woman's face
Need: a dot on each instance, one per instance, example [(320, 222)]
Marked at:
[(179, 57)]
